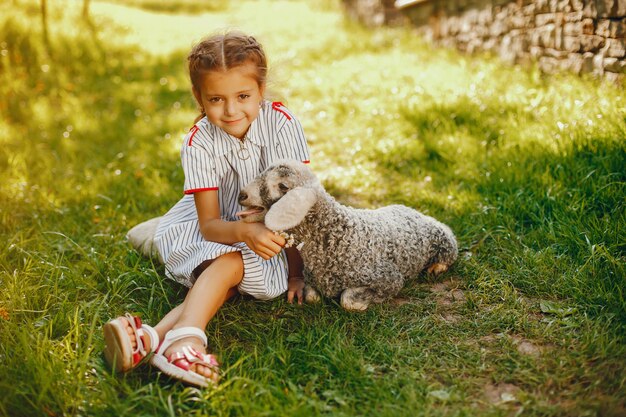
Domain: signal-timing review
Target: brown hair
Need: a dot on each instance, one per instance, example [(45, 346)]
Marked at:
[(225, 51)]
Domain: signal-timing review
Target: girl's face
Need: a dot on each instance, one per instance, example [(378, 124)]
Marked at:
[(231, 99)]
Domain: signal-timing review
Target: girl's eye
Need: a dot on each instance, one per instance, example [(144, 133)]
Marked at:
[(244, 96), (214, 100)]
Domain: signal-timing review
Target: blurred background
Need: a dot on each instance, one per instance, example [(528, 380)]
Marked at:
[(504, 119)]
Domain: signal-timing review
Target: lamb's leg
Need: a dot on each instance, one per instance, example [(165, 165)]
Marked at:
[(388, 283), (357, 299), (437, 269), (311, 296)]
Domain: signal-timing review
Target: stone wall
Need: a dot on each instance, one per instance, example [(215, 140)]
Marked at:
[(583, 36), (374, 12)]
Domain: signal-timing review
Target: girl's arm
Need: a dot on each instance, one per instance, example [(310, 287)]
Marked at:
[(258, 237)]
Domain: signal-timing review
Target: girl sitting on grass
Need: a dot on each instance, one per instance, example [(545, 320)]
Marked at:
[(203, 244)]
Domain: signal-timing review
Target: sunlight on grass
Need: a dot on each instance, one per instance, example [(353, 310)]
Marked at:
[(527, 169)]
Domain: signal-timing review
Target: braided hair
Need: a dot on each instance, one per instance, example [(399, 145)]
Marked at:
[(225, 51)]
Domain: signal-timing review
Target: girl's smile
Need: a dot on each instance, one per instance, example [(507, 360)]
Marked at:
[(231, 99), (232, 122)]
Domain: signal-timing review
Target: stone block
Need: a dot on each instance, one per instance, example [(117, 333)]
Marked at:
[(464, 37), (591, 43), (555, 53), (475, 45), (598, 64), (559, 6), (611, 8), (482, 31), (588, 27), (506, 52), (465, 26), (575, 63), (519, 21), (536, 51), (471, 17), (547, 36), (549, 65), (573, 29), (542, 6), (614, 78), (512, 7), (617, 48), (587, 64), (563, 6), (617, 28), (558, 37), (602, 27), (485, 16), (573, 17), (544, 19), (421, 13), (529, 10), (577, 5), (553, 5), (491, 44), (498, 28), (571, 43), (589, 10), (534, 36), (614, 65)]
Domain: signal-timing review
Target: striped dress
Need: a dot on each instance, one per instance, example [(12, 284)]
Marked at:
[(214, 160)]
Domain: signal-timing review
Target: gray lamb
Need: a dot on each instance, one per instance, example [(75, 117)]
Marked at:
[(364, 256)]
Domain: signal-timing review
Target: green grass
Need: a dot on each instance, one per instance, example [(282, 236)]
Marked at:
[(527, 169)]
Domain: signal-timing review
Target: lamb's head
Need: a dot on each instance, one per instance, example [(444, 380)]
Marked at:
[(280, 196)]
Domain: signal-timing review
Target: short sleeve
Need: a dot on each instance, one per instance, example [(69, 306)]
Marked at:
[(294, 145), (198, 163)]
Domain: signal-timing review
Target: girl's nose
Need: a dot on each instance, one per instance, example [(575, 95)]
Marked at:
[(231, 107)]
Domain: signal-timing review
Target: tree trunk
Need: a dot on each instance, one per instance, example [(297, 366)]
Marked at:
[(86, 9), (44, 19), (44, 26)]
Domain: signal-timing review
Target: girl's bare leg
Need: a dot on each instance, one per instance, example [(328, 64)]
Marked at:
[(213, 287)]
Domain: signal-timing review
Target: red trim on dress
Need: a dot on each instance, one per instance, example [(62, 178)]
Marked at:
[(306, 162), (195, 130), (277, 106), (197, 190)]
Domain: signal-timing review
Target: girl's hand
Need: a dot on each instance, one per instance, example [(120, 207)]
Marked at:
[(295, 287), (262, 240)]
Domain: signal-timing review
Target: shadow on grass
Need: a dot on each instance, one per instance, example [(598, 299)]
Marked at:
[(548, 219)]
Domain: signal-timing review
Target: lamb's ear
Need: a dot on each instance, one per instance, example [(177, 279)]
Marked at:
[(291, 209)]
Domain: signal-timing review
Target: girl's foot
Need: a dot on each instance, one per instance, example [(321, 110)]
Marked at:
[(195, 344), (181, 356), (128, 342)]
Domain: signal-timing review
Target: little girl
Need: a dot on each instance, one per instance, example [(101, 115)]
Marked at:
[(203, 244)]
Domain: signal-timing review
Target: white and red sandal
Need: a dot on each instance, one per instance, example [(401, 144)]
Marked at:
[(118, 349), (178, 364)]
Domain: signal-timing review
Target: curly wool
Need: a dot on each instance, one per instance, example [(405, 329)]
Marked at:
[(345, 247), (380, 249)]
